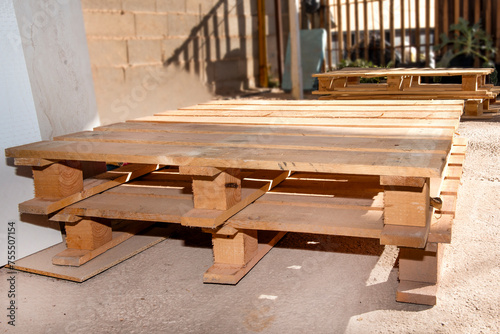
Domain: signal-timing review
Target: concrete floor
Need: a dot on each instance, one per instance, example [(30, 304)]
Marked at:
[(306, 284)]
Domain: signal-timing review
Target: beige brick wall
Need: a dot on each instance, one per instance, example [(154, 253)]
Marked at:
[(213, 41)]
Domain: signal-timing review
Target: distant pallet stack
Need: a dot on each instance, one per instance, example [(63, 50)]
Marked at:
[(406, 83), (249, 171)]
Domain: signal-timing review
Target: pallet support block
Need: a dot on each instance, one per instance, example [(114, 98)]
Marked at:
[(419, 274), (219, 192), (470, 82), (88, 234), (394, 82), (89, 238), (58, 180), (473, 108), (406, 200), (236, 255)]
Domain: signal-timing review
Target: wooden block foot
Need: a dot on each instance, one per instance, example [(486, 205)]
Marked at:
[(419, 274), (227, 273), (417, 293), (76, 257)]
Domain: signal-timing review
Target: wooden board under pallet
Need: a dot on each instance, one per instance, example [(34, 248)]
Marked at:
[(41, 262)]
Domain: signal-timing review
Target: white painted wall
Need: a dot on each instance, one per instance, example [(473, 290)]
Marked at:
[(57, 57), (46, 90)]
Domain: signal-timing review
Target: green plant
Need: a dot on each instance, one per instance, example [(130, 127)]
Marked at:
[(362, 63), (469, 41)]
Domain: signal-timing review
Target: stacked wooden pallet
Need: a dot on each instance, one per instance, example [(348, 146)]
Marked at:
[(405, 83), (249, 171)]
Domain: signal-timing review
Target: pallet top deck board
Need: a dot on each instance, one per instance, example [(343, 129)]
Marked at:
[(378, 72), (304, 121), (295, 131), (300, 109), (247, 102), (362, 142), (344, 143)]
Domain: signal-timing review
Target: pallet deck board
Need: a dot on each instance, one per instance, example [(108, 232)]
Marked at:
[(347, 143)]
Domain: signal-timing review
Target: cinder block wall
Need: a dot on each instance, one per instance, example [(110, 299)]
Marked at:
[(132, 41)]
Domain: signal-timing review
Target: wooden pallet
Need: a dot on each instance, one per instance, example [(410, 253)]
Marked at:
[(249, 171), (405, 83)]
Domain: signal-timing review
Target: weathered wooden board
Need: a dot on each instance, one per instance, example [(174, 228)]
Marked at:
[(41, 262)]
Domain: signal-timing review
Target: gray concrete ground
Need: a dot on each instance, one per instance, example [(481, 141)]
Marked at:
[(306, 284)]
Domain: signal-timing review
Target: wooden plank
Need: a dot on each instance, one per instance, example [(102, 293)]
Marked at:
[(374, 144), (145, 206), (319, 109), (477, 11), (401, 181), (77, 257), (32, 162), (213, 218), (282, 121), (91, 187), (232, 274), (407, 236), (41, 262), (418, 113), (367, 163), (316, 103), (456, 11), (379, 72), (295, 218), (487, 21), (465, 10), (264, 131)]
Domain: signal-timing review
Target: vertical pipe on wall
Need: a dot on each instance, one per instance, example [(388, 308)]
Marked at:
[(356, 25), (403, 31), (261, 17), (295, 58), (340, 33), (279, 38), (365, 27), (391, 24), (437, 21), (427, 32), (329, 36), (348, 28), (417, 29), (382, 31)]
